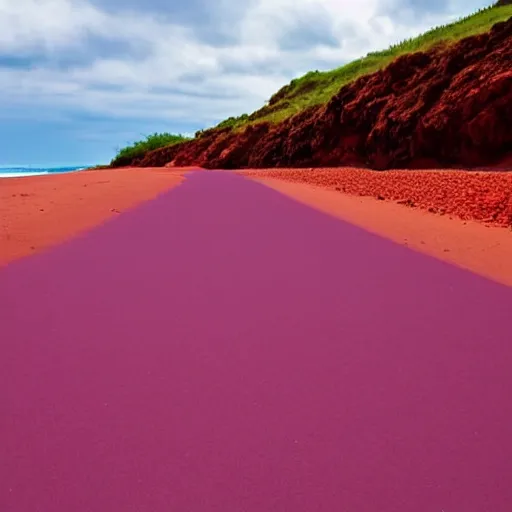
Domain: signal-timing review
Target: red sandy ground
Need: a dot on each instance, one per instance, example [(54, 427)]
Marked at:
[(39, 211), (481, 248), (480, 196)]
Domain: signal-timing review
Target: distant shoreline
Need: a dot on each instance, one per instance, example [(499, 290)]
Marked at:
[(29, 171)]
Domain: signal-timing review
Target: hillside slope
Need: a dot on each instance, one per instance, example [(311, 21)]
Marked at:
[(446, 107), (318, 87)]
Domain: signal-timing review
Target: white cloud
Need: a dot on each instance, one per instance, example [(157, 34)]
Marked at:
[(131, 85), (26, 25)]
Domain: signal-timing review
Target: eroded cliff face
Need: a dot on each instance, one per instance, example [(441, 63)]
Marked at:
[(451, 106)]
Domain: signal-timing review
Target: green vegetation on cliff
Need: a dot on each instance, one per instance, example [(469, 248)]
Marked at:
[(317, 87), (138, 149)]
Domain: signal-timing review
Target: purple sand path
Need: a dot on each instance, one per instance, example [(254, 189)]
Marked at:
[(224, 348)]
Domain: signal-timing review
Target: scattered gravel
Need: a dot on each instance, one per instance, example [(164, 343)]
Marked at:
[(481, 196)]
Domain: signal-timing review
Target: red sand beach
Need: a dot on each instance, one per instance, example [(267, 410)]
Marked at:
[(225, 348), (401, 206), (481, 196), (40, 211)]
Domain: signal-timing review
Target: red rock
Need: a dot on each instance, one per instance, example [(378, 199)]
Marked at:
[(443, 108)]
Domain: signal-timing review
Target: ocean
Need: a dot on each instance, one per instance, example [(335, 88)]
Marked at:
[(31, 170)]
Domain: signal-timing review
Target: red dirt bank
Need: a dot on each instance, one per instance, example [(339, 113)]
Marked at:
[(447, 107)]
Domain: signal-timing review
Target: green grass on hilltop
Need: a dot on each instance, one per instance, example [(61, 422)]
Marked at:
[(140, 148), (317, 87)]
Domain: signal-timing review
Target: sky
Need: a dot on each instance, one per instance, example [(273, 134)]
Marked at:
[(80, 79)]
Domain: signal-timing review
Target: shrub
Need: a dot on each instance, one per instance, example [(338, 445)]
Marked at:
[(138, 149)]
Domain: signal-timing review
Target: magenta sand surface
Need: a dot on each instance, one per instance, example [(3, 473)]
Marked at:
[(223, 348)]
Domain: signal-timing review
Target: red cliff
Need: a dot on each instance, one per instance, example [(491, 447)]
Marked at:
[(451, 106)]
